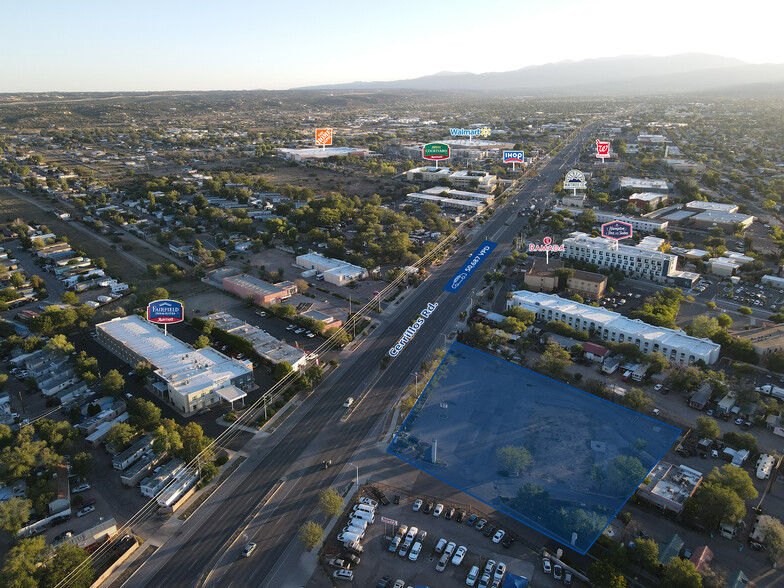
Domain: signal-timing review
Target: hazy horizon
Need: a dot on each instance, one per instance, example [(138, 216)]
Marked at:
[(241, 45)]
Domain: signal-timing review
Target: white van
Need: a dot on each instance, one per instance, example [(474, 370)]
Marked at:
[(354, 531), (364, 515), (364, 508), (360, 523), (347, 538)]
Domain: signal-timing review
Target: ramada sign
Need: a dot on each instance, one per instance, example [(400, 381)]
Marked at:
[(616, 230), (546, 246)]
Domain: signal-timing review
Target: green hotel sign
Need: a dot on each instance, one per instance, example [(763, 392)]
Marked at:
[(435, 151)]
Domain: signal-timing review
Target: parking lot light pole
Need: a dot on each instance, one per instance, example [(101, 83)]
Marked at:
[(356, 466)]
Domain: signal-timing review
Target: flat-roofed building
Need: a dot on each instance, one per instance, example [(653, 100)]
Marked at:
[(190, 379), (154, 484), (703, 205), (459, 194), (541, 277), (669, 486), (725, 220), (264, 344), (335, 271), (606, 325), (587, 284), (428, 174), (640, 225), (633, 261), (263, 293), (478, 180), (643, 185), (773, 281), (643, 199), (764, 340), (318, 153), (471, 206)]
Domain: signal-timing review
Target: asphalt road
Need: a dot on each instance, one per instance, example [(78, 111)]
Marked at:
[(319, 434)]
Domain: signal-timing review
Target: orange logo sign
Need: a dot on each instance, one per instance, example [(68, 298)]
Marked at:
[(323, 136)]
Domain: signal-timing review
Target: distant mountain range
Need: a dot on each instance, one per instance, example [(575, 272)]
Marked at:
[(688, 72)]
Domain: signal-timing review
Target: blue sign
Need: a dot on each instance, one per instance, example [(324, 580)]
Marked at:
[(481, 253), (165, 311), (514, 157)]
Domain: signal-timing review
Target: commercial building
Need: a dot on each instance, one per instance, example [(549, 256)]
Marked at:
[(471, 206), (459, 194), (263, 293), (190, 379), (335, 271), (542, 277), (644, 185), (319, 153), (773, 282), (643, 199), (639, 225), (669, 486), (587, 284), (264, 344), (428, 174), (611, 326), (682, 165), (727, 221), (764, 340), (632, 261), (703, 206), (477, 180)]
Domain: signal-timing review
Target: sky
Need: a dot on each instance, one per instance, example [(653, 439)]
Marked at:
[(143, 45)]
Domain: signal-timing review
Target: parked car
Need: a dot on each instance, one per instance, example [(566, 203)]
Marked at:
[(499, 535), (567, 578), (428, 508), (64, 535), (500, 570), (384, 582), (449, 512), (440, 546), (346, 575), (460, 516), (557, 572), (481, 524), (471, 520), (438, 510), (472, 576), (417, 504), (450, 548), (457, 558), (415, 551), (489, 530), (547, 567), (81, 488), (351, 558), (368, 501), (484, 581), (489, 566), (395, 543), (508, 540), (85, 511)]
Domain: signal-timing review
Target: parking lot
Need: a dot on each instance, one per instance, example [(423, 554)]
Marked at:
[(753, 296), (378, 561)]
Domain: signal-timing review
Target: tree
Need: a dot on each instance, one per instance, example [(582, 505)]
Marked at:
[(69, 298), (681, 573), (330, 502), (725, 321), (56, 434), (522, 314), (704, 326), (302, 285), (741, 441), (120, 436), (167, 438), (310, 534), (281, 370), (143, 414), (14, 514), (555, 359), (734, 478), (774, 540), (19, 567), (513, 459), (714, 504), (82, 464), (602, 574), (68, 562), (113, 383), (707, 428), (637, 400), (744, 310), (646, 552), (59, 344), (201, 342), (193, 441), (625, 472), (3, 381)]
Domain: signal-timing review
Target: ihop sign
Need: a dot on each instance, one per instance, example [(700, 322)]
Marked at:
[(616, 230)]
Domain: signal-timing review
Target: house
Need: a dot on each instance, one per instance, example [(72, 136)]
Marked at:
[(737, 579), (668, 486), (669, 548), (595, 352), (701, 397), (701, 557)]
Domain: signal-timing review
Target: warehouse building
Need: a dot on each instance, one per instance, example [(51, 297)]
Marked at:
[(319, 153), (773, 282), (725, 220), (633, 261), (703, 206), (606, 325), (263, 293), (189, 379), (765, 340), (334, 271)]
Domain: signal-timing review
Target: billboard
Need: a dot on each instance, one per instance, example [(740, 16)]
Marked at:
[(602, 148), (165, 312), (323, 136), (477, 257), (514, 157), (435, 151), (575, 179), (616, 230)]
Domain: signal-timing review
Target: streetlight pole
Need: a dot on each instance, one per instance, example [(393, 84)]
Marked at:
[(357, 467)]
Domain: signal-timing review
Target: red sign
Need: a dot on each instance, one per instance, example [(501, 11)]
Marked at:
[(602, 149), (323, 136)]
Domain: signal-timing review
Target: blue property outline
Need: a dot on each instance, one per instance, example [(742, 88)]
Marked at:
[(539, 529)]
